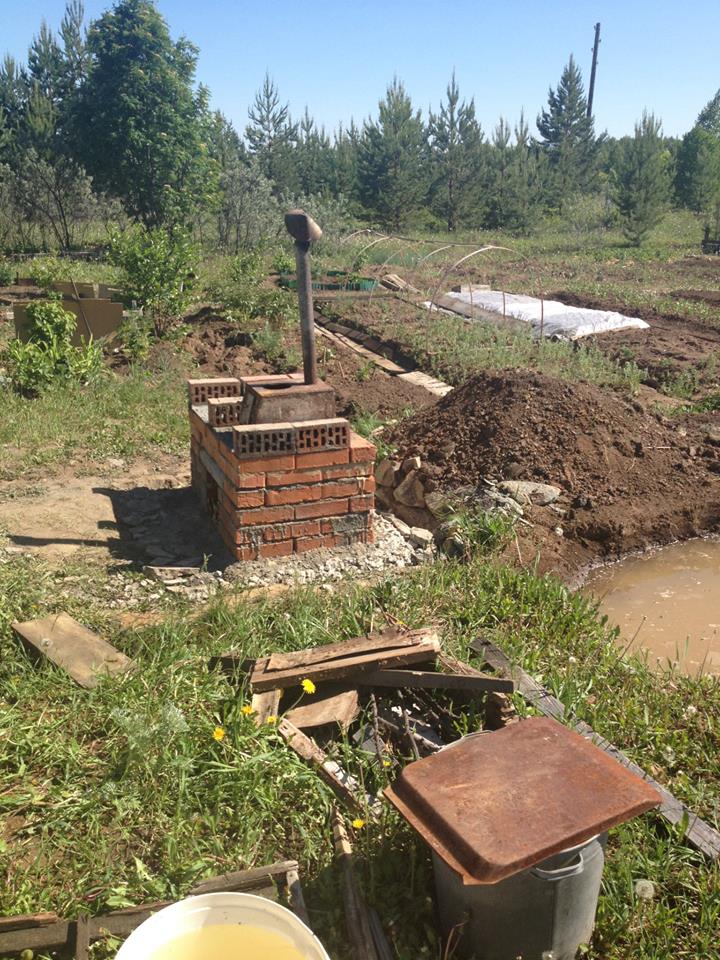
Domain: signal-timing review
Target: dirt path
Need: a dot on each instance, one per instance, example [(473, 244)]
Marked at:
[(139, 513)]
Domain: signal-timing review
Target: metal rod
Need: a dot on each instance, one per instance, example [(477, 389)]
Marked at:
[(307, 322)]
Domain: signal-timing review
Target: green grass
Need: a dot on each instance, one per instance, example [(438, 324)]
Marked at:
[(122, 794), (139, 414)]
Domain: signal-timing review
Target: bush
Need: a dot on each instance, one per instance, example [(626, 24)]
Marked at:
[(7, 273), (158, 271), (49, 355)]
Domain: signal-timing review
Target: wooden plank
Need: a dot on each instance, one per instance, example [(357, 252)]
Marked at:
[(341, 783), (333, 651), (424, 650), (357, 917), (296, 898), (82, 938), (265, 705), (340, 707), (68, 644), (699, 833), (38, 934), (245, 879), (25, 921), (428, 680)]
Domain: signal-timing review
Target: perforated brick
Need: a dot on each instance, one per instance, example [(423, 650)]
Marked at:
[(271, 440), (199, 391), (224, 411), (317, 435)]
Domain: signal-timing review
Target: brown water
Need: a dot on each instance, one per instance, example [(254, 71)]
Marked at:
[(666, 602)]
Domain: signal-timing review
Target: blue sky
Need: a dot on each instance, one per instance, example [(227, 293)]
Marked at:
[(338, 57)]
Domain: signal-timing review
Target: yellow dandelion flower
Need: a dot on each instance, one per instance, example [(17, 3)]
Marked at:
[(271, 719), (358, 824), (247, 710), (219, 734), (387, 763), (308, 686)]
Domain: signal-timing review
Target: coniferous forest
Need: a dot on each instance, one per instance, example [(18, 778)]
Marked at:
[(104, 124)]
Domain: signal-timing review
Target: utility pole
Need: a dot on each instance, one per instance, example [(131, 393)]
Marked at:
[(591, 92)]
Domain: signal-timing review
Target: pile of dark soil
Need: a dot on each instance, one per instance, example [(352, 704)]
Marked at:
[(629, 477)]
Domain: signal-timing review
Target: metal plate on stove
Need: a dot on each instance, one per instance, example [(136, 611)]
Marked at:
[(496, 804)]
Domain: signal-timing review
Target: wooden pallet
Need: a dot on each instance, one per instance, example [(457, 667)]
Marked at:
[(45, 931)]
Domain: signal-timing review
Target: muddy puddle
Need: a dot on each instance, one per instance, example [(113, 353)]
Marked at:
[(667, 603)]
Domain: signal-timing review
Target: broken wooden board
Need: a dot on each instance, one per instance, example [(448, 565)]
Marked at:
[(383, 640), (82, 654), (39, 932), (341, 783), (699, 833), (415, 646), (428, 680), (265, 705), (357, 916), (334, 706)]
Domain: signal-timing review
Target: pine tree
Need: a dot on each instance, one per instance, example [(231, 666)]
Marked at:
[(523, 181), (568, 136), (642, 180), (709, 116), (143, 127), (392, 178), (345, 168), (456, 157), (314, 158), (500, 159), (271, 136)]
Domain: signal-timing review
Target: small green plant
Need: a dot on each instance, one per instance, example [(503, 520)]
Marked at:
[(158, 272), (483, 531), (7, 273), (48, 354), (276, 307), (283, 262), (46, 271), (135, 337), (364, 371)]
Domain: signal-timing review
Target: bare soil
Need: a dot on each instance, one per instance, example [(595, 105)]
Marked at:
[(220, 349), (672, 346), (628, 477)]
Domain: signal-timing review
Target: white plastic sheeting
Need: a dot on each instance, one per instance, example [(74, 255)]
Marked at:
[(558, 319)]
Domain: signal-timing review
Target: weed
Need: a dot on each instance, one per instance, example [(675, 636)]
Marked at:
[(7, 273), (365, 371), (484, 532), (48, 354)]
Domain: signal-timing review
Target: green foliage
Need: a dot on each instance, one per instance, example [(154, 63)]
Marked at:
[(283, 262), (145, 129), (7, 273), (484, 532), (158, 271), (455, 142), (568, 134), (391, 173), (48, 354), (271, 134), (642, 184), (135, 337)]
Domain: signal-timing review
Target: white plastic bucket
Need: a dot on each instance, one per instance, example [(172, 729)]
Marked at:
[(213, 908)]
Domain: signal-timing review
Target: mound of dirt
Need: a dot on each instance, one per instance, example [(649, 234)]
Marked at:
[(629, 476)]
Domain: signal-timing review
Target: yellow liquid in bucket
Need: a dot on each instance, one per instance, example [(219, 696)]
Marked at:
[(229, 941)]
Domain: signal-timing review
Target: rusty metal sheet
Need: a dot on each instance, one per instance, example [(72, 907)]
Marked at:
[(501, 802)]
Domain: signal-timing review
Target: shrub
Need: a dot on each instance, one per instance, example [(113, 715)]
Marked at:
[(48, 354), (7, 273), (158, 271)]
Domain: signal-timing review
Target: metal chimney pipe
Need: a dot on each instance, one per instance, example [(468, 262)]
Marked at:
[(304, 232)]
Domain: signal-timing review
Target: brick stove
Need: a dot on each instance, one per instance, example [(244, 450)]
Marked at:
[(277, 471), (280, 487)]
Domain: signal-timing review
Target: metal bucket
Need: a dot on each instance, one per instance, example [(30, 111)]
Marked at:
[(548, 910)]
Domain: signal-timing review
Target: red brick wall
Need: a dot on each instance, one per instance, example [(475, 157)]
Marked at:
[(275, 505)]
